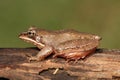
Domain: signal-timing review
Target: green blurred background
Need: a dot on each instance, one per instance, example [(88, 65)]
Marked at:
[(101, 17)]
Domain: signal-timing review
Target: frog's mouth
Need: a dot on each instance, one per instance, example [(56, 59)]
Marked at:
[(34, 40)]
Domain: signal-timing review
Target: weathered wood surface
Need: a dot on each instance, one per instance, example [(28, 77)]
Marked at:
[(102, 65)]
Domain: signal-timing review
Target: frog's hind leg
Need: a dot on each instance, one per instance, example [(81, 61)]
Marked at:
[(58, 55), (55, 55), (70, 60)]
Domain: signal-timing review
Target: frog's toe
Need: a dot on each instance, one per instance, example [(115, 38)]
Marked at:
[(54, 56), (33, 58)]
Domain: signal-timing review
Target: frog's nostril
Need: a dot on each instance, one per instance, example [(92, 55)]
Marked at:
[(19, 35), (22, 35)]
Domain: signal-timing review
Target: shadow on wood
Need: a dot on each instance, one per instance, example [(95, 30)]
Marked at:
[(104, 64)]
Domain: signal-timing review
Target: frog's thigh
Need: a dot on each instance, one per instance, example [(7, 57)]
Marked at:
[(76, 54)]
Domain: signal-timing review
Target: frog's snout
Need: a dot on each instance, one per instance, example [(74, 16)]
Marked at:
[(22, 34)]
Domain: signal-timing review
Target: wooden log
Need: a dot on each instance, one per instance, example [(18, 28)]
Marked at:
[(104, 64)]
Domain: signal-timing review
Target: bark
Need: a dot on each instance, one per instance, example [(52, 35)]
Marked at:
[(104, 64)]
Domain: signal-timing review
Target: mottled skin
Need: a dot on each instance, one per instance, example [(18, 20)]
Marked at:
[(69, 44)]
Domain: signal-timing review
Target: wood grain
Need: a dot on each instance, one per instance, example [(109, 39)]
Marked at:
[(104, 64)]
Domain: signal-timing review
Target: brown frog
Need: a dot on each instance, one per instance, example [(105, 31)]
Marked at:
[(69, 44)]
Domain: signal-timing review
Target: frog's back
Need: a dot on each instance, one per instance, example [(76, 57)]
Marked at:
[(73, 34), (64, 35), (68, 31), (55, 38)]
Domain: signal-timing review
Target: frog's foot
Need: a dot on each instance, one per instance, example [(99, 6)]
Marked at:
[(33, 58), (30, 58)]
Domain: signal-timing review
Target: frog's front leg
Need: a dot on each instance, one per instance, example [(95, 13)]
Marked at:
[(46, 51)]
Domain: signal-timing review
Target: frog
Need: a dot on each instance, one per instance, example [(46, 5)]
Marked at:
[(68, 44)]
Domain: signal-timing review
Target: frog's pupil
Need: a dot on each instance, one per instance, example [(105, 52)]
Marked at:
[(31, 33)]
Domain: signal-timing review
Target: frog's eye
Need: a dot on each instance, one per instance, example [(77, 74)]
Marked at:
[(31, 33)]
